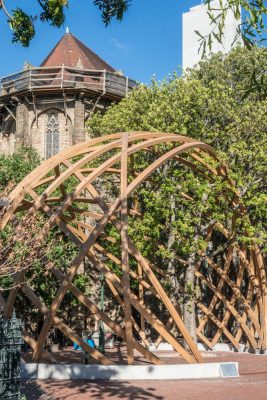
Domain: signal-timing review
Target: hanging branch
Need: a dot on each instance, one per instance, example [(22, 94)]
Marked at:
[(2, 5)]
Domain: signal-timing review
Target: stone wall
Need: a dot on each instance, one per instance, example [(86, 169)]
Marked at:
[(22, 124), (30, 128), (38, 127), (79, 116), (7, 144)]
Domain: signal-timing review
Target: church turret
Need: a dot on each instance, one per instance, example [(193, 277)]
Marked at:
[(47, 107), (69, 50)]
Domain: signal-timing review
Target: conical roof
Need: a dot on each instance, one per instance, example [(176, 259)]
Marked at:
[(71, 52)]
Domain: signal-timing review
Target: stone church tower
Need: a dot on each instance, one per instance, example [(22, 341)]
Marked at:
[(47, 107)]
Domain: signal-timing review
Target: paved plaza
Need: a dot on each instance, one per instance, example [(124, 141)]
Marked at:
[(251, 385)]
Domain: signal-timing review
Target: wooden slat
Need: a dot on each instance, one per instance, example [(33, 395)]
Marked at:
[(28, 338), (238, 295), (64, 328), (103, 316), (32, 343), (231, 309), (219, 324), (157, 325), (214, 300), (117, 145), (150, 356)]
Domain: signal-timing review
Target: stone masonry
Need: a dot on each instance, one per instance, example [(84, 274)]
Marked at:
[(47, 107)]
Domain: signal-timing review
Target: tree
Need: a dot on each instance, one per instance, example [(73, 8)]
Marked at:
[(53, 12), (26, 245), (251, 30), (15, 167), (244, 70), (209, 105)]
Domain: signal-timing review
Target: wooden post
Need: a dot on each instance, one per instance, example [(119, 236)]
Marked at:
[(141, 298), (125, 251)]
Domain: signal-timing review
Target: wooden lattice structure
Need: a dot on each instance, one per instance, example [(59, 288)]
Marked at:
[(244, 308)]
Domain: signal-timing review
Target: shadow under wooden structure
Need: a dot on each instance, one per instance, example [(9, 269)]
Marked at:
[(113, 155)]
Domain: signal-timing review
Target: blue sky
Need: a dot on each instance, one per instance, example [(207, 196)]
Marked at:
[(147, 42)]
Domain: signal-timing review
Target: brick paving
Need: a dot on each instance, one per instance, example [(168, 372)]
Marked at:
[(251, 385)]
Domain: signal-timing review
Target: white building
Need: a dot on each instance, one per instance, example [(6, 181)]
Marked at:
[(197, 19)]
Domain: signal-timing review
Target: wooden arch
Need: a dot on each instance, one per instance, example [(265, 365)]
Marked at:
[(111, 155)]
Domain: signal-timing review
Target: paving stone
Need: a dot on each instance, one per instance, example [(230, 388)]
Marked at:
[(251, 385)]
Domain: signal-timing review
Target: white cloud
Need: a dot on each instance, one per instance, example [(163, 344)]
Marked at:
[(120, 46)]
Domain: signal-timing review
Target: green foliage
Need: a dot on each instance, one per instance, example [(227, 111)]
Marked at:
[(209, 105), (242, 71), (22, 26), (252, 28), (56, 251), (60, 256), (53, 12), (112, 9), (15, 167)]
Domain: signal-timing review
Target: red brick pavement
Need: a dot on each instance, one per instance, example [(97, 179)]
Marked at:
[(251, 385)]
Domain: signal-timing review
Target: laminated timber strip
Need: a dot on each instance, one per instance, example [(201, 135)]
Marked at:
[(118, 150)]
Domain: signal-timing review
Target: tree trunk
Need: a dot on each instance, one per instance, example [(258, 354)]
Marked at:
[(189, 304), (171, 263)]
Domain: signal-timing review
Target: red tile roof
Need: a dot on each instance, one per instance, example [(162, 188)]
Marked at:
[(73, 53)]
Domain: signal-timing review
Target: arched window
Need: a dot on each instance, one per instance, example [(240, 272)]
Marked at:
[(52, 134)]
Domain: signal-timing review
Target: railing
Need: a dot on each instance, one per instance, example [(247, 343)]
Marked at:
[(100, 81)]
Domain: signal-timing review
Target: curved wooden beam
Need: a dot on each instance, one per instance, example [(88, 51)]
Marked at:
[(84, 161)]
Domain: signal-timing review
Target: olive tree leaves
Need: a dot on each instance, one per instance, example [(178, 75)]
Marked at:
[(53, 12), (112, 9), (22, 26), (251, 28)]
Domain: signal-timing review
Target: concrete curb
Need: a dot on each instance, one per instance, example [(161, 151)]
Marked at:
[(129, 372), (225, 347)]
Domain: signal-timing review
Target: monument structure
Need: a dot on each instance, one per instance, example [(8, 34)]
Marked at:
[(47, 107), (197, 19), (232, 299)]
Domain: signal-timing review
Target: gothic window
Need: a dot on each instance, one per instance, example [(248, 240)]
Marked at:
[(52, 135)]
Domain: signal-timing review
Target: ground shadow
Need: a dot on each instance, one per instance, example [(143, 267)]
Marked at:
[(68, 390), (34, 391)]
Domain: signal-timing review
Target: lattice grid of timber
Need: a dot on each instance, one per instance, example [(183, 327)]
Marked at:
[(113, 155)]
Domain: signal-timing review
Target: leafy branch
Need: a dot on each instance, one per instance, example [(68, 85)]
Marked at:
[(112, 9), (53, 11), (251, 29)]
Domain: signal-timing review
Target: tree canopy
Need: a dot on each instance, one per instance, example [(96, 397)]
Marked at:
[(178, 206), (24, 243), (252, 28), (174, 210), (53, 12), (208, 104)]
